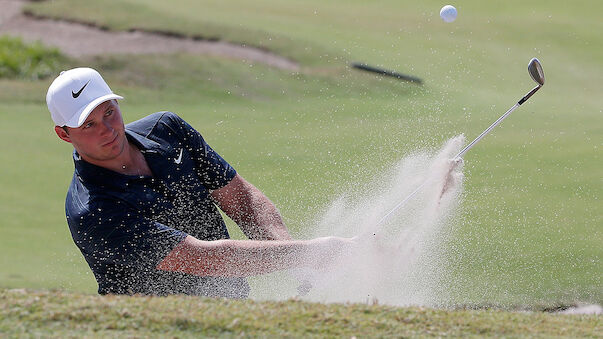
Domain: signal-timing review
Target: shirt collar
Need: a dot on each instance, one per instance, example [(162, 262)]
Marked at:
[(102, 177), (143, 143)]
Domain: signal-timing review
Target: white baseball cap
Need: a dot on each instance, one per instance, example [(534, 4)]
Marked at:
[(74, 94)]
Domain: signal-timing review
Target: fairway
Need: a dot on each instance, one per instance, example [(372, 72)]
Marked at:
[(527, 228)]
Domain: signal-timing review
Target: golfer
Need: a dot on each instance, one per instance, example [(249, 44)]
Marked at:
[(143, 204)]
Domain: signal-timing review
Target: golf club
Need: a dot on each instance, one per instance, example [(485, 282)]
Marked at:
[(535, 70)]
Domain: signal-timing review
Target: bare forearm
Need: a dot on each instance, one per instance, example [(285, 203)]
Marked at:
[(255, 214), (263, 222), (246, 258)]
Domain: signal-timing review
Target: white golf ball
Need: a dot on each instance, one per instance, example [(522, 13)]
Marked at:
[(448, 13)]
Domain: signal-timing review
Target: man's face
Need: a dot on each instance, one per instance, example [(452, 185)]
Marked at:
[(101, 137)]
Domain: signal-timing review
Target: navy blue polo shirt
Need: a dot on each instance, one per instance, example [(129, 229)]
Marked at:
[(125, 225)]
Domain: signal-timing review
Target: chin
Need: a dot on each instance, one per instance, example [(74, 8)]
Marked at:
[(114, 151), (118, 148)]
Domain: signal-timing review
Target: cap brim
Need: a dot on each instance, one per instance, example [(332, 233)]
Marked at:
[(79, 118)]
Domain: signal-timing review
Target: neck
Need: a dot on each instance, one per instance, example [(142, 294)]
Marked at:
[(130, 161)]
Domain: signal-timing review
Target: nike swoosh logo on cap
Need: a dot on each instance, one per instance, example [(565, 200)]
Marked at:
[(77, 94)]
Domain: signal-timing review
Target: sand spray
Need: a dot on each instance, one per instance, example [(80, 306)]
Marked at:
[(396, 262)]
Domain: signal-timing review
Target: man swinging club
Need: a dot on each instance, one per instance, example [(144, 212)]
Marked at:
[(143, 203)]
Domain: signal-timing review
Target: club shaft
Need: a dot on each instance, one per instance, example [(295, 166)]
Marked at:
[(496, 123), (459, 155), (462, 152), (484, 133), (400, 204)]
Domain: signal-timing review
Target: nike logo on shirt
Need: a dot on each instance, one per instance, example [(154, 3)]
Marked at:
[(77, 94), (179, 159)]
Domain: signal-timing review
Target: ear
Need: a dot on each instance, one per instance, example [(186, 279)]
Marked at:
[(62, 134)]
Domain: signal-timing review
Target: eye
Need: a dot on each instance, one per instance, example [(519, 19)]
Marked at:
[(109, 113), (88, 125)]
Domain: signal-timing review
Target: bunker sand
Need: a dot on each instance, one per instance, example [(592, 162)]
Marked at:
[(79, 39)]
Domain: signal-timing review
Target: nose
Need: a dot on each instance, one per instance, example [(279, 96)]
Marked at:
[(107, 128)]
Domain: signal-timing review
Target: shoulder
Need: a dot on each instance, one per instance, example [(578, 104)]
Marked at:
[(163, 125), (151, 122), (77, 204)]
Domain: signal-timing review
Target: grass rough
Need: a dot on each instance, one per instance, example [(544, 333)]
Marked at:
[(59, 314)]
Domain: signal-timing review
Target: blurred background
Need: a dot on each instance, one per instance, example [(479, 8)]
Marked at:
[(270, 86)]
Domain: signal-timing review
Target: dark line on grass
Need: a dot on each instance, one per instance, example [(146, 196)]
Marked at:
[(29, 14), (385, 72)]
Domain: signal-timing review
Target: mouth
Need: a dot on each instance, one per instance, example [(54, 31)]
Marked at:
[(112, 142)]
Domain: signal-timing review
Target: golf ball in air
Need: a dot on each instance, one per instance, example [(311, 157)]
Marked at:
[(448, 13)]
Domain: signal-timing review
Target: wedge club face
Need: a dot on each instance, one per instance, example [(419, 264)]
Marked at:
[(535, 70)]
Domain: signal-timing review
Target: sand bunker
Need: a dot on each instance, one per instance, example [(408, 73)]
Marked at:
[(76, 39)]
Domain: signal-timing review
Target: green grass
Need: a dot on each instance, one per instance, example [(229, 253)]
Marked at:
[(529, 229), (19, 60), (56, 314)]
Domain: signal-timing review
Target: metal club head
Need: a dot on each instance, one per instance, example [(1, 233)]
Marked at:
[(535, 70)]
